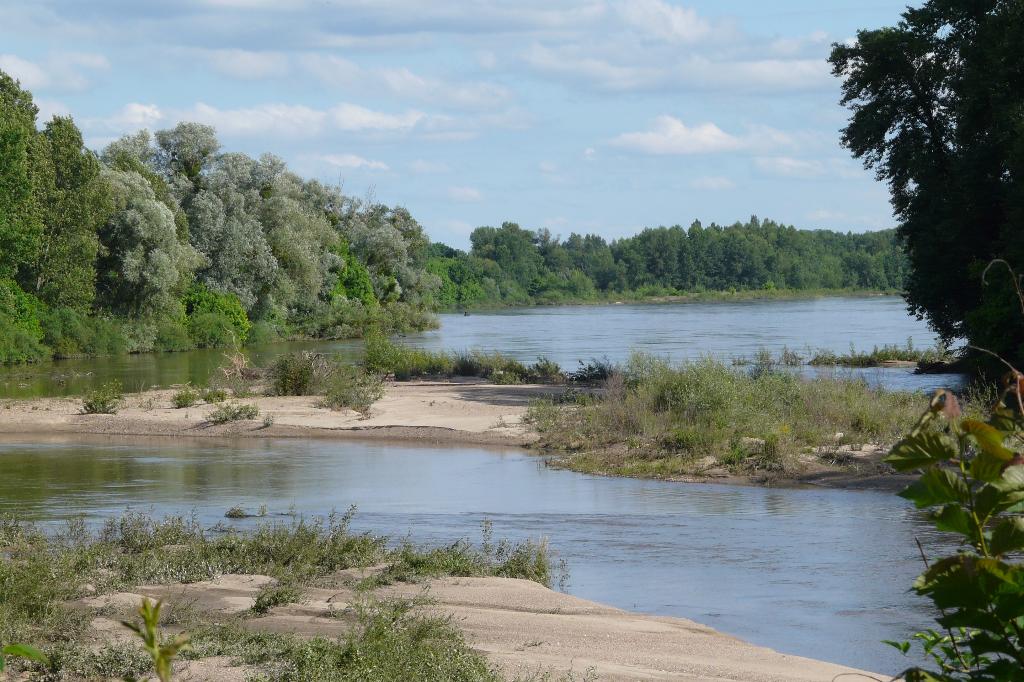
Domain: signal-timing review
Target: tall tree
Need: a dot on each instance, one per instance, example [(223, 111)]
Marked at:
[(73, 204), (937, 108), (20, 224)]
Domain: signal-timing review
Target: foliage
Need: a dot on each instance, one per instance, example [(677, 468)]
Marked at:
[(207, 310), (353, 388), (162, 652), (299, 373), (513, 265), (973, 481), (186, 397), (232, 412), (651, 418), (935, 107), (878, 356), (21, 333), (20, 651), (214, 395), (106, 399)]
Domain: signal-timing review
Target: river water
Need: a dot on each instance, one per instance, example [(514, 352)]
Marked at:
[(565, 334), (815, 572)]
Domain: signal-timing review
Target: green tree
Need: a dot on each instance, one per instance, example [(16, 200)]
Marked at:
[(936, 106), (73, 204), (20, 224)]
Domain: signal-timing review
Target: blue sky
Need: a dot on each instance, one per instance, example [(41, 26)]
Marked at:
[(585, 115)]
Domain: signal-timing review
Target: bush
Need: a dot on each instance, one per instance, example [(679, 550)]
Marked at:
[(21, 334), (186, 397), (70, 333), (299, 373), (106, 399), (200, 301), (352, 388), (215, 395), (231, 412), (212, 330), (973, 483), (172, 335)]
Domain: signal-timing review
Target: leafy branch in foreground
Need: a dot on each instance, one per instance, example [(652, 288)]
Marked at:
[(20, 651), (972, 480), (163, 652)]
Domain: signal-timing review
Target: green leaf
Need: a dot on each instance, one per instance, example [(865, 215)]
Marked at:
[(988, 438), (24, 651), (986, 466), (934, 487), (1007, 537), (921, 450), (952, 518)]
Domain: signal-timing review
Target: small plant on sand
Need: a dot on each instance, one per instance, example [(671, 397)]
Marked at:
[(235, 512), (215, 395), (186, 397), (233, 412), (299, 373), (106, 399), (162, 651)]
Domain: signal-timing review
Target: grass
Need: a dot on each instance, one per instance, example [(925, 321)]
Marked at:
[(214, 395), (40, 571), (653, 419), (880, 355), (405, 362)]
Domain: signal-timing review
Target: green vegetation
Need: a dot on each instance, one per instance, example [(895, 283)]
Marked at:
[(107, 399), (232, 412), (654, 419), (879, 356), (186, 397), (405, 362), (214, 395), (164, 242), (972, 481), (40, 573), (163, 652), (352, 388), (511, 265), (935, 106)]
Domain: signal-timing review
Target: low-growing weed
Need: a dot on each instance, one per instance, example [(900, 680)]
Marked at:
[(107, 399), (232, 412)]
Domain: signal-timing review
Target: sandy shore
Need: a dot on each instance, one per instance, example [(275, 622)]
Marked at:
[(452, 412), (522, 627)]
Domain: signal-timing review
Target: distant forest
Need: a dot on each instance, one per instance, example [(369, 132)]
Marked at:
[(164, 242), (510, 265)]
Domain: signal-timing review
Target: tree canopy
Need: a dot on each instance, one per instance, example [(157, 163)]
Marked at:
[(937, 110)]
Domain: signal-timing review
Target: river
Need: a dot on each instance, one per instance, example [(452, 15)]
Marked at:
[(816, 572), (565, 334)]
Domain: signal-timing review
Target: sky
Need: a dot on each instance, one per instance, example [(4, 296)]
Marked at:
[(602, 116)]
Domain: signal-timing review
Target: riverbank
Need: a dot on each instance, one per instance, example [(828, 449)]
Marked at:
[(457, 411), (473, 411), (308, 599)]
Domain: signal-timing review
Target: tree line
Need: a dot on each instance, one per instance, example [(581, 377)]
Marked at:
[(510, 264), (165, 242)]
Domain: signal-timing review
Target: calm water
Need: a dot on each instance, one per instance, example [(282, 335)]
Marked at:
[(566, 334), (822, 573)]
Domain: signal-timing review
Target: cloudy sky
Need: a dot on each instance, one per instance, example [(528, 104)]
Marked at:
[(576, 115)]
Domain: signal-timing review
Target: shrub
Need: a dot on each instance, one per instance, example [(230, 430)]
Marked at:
[(546, 371), (973, 483), (231, 412), (353, 388), (70, 333), (276, 594), (106, 399), (186, 397), (21, 335), (212, 330), (172, 335), (299, 373), (200, 301), (215, 395)]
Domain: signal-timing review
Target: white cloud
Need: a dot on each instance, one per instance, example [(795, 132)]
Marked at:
[(48, 108), (287, 120), (547, 167), (423, 166), (464, 194), (249, 65), (713, 183), (352, 117), (669, 135), (60, 71), (352, 161), (135, 115), (589, 154), (790, 167), (663, 21)]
